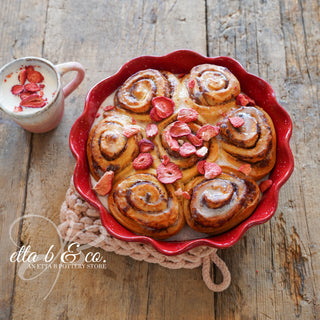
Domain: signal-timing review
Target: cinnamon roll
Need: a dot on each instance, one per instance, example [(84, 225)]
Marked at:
[(219, 204), (145, 206), (108, 148), (253, 142), (209, 89), (173, 146), (134, 97)]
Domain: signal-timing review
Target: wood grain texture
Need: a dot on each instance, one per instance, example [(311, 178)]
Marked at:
[(93, 34), (277, 41), (19, 33), (275, 267)]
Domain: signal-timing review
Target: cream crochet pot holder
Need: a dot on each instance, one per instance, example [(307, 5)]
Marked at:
[(81, 223)]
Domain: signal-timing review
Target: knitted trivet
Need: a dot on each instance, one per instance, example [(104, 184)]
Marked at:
[(81, 223)]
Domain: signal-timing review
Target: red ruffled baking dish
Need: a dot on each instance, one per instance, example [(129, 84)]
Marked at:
[(182, 61)]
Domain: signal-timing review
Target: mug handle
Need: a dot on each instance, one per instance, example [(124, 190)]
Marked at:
[(65, 67)]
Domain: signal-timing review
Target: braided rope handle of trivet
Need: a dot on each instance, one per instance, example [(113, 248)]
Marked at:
[(81, 223)]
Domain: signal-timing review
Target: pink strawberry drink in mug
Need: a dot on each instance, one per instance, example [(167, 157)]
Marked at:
[(31, 92)]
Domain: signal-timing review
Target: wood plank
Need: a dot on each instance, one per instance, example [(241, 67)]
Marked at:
[(102, 37), (17, 31), (302, 83), (275, 266)]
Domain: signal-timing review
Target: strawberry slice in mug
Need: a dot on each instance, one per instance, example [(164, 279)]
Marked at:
[(25, 94), (22, 76), (33, 101), (17, 89), (34, 76)]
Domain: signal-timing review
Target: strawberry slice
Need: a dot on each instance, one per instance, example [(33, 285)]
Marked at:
[(22, 76), (180, 193), (200, 166), (131, 131), (165, 159), (211, 170), (179, 129), (33, 101), (29, 69), (169, 173), (151, 130), (173, 144), (197, 142), (24, 95), (191, 84), (34, 76), (187, 115), (32, 87), (244, 100), (245, 168), (186, 195), (207, 132), (17, 109), (163, 106), (17, 89), (108, 108), (237, 122), (265, 185), (143, 161), (187, 150), (154, 116), (145, 145), (202, 152), (104, 185)]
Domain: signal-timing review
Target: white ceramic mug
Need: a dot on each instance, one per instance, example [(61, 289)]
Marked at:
[(48, 117)]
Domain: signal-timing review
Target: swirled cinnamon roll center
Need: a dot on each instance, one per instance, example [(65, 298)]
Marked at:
[(213, 81), (217, 194), (137, 92), (217, 199), (250, 142), (210, 85), (112, 141), (245, 136), (147, 197), (142, 91)]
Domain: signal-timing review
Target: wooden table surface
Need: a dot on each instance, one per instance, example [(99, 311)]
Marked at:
[(275, 267)]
